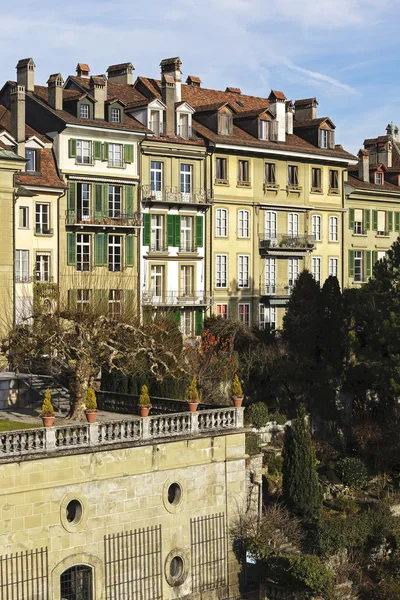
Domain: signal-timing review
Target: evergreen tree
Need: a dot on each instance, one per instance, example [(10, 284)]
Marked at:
[(301, 490)]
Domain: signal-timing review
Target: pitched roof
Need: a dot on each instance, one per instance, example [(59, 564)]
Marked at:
[(112, 68), (277, 94), (305, 101), (355, 182), (5, 124), (310, 122)]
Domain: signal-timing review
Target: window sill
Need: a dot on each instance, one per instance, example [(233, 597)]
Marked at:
[(333, 241), (334, 192), (85, 164), (221, 182), (271, 187), (316, 191), (360, 235), (225, 287), (383, 235), (116, 166), (243, 184), (158, 253), (297, 189), (44, 235), (191, 253)]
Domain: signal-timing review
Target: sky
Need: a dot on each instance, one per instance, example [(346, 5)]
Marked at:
[(341, 51)]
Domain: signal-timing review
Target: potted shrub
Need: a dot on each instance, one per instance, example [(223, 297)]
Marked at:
[(47, 410), (237, 392), (144, 402), (91, 405), (192, 395)]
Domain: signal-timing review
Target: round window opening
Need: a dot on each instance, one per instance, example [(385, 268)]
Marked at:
[(176, 567), (74, 512), (174, 494)]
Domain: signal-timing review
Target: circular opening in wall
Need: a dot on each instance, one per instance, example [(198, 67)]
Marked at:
[(176, 568), (74, 512), (174, 493)]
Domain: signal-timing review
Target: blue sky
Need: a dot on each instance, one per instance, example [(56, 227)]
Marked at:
[(344, 52)]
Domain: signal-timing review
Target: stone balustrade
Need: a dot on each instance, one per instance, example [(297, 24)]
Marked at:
[(28, 442)]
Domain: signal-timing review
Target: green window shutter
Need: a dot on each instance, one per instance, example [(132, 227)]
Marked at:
[(129, 250), (198, 322), (199, 231), (72, 300), (72, 148), (176, 317), (101, 301), (390, 220), (374, 257), (129, 200), (367, 219), (177, 228), (351, 218), (105, 199), (375, 220), (97, 150), (98, 200), (71, 248), (146, 229), (367, 255), (128, 153), (100, 249), (170, 230), (71, 202), (351, 263), (397, 221), (105, 151)]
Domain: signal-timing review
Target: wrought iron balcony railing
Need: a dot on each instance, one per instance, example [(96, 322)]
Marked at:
[(157, 128), (91, 217), (174, 298), (173, 195), (283, 241), (277, 291), (186, 132)]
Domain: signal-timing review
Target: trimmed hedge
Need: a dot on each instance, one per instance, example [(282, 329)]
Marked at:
[(132, 384)]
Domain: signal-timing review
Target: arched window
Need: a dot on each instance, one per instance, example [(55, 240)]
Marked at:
[(76, 583)]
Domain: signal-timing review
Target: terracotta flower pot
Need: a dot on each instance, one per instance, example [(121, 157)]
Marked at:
[(144, 409), (48, 420), (237, 401), (193, 406), (91, 416)]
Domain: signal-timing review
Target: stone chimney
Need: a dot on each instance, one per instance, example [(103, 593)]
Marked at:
[(98, 89), (83, 70), (289, 116), (168, 97), (121, 73), (233, 90), (17, 106), (278, 109), (55, 91), (172, 67), (305, 109), (363, 165), (26, 74), (193, 81)]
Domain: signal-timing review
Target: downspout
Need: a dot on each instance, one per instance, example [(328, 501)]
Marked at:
[(211, 228), (140, 233), (342, 229), (58, 250)]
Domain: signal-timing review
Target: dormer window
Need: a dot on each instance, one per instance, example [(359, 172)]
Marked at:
[(84, 111), (326, 138), (225, 124), (32, 157), (156, 124), (263, 130), (379, 178), (115, 115), (183, 126)]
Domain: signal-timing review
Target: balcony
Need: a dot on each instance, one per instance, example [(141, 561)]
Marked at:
[(95, 218), (276, 291), (174, 299), (285, 244), (173, 195), (38, 277)]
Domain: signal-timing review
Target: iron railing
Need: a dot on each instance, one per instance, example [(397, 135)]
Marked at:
[(279, 291), (173, 195), (285, 241), (92, 217), (174, 298), (157, 128)]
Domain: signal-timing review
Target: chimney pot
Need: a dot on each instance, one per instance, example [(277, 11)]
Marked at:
[(26, 74), (17, 106), (168, 97), (121, 73), (55, 85), (83, 70), (305, 109), (193, 81), (98, 89), (172, 66), (278, 109), (363, 165)]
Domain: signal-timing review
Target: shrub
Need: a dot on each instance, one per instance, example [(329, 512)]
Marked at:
[(352, 472), (275, 465), (144, 398), (257, 413), (278, 418), (47, 407), (303, 573), (252, 444), (90, 399), (345, 505), (192, 395), (236, 387)]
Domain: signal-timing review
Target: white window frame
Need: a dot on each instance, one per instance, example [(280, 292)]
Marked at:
[(243, 223), (31, 155), (316, 266), (267, 317), (42, 217), (83, 152), (21, 266), (157, 237), (114, 303), (43, 267), (115, 253), (316, 221), (263, 129), (243, 280), (83, 201), (84, 112), (323, 138), (270, 276), (293, 272), (244, 313), (157, 280), (23, 211), (187, 240), (115, 155), (187, 281), (115, 115), (221, 271), (83, 252), (187, 322), (333, 266), (293, 175), (333, 228), (359, 260), (221, 222), (83, 299), (185, 178), (223, 314), (156, 178), (114, 201), (271, 226), (293, 224)]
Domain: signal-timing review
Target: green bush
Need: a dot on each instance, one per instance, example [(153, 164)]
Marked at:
[(47, 407), (345, 505), (352, 472), (252, 444), (304, 573), (144, 398), (257, 414), (275, 465), (90, 399), (278, 418)]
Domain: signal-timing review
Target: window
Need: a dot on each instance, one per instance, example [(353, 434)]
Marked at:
[(83, 152), (156, 177), (293, 224), (222, 311), (21, 266), (76, 583), (270, 174), (114, 201), (316, 268), (381, 254), (243, 271), (157, 233), (293, 272), (115, 155), (84, 111), (187, 328), (157, 280), (316, 228), (358, 221), (83, 204), (382, 230), (42, 219), (23, 217), (270, 276), (293, 175), (270, 227), (156, 122), (333, 229), (114, 252), (114, 303), (183, 127), (43, 267), (326, 138), (187, 234), (221, 222), (83, 298), (31, 156), (334, 180), (83, 252), (244, 313), (358, 265), (186, 182), (267, 317), (316, 177), (221, 171), (225, 124), (186, 280), (243, 171), (379, 178), (243, 224), (333, 267), (263, 130), (115, 115), (221, 270)]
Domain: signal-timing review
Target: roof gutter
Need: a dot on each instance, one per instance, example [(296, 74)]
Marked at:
[(272, 151)]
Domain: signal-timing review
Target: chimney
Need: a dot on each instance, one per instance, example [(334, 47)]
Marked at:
[(168, 97), (278, 109), (233, 90), (289, 116), (26, 74), (55, 91), (172, 66), (83, 70), (305, 109), (121, 73), (17, 106), (193, 81), (363, 165), (98, 89)]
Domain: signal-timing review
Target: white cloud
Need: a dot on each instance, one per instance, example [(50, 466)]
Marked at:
[(321, 77)]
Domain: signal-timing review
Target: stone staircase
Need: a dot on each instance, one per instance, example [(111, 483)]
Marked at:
[(38, 384)]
